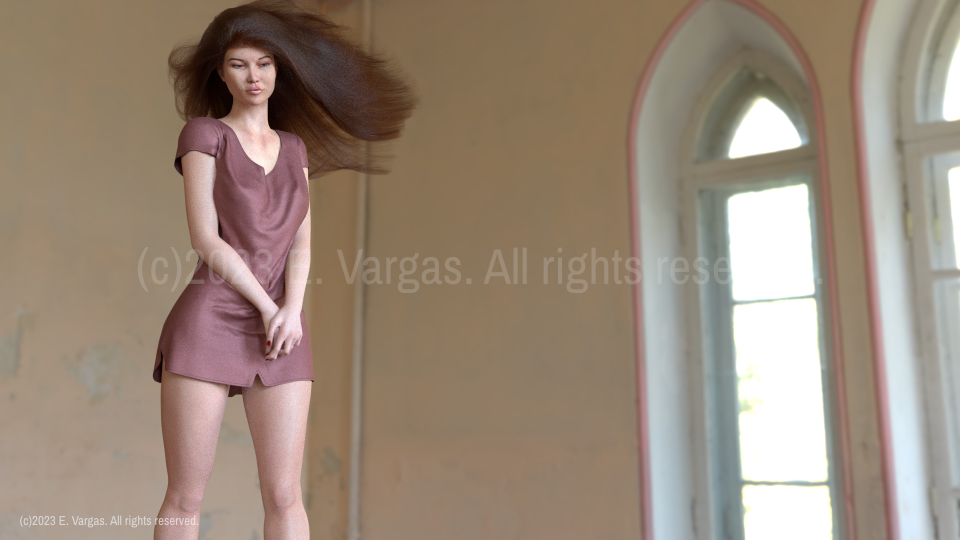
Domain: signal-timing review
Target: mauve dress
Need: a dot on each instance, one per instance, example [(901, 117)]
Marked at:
[(213, 332)]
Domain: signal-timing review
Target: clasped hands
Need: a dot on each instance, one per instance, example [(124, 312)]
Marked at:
[(283, 329)]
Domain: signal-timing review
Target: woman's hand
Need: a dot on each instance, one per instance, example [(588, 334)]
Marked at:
[(283, 331), (267, 316)]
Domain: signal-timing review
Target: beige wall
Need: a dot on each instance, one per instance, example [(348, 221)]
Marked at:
[(489, 411)]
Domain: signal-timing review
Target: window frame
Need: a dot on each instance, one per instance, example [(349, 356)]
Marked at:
[(944, 29), (746, 174), (925, 278), (925, 136)]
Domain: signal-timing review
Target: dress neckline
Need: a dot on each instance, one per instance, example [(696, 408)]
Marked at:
[(244, 152)]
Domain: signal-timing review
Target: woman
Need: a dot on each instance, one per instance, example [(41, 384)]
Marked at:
[(272, 96)]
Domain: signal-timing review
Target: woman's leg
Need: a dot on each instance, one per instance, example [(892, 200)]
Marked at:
[(190, 414), (278, 423)]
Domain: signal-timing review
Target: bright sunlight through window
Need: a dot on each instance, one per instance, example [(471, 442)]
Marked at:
[(765, 128), (951, 101), (783, 446), (953, 181)]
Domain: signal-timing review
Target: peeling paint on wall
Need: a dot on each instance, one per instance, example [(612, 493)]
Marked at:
[(10, 529), (330, 462), (206, 523), (97, 368), (10, 340)]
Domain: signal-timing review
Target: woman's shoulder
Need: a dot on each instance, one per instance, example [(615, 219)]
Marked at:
[(200, 133), (203, 123), (288, 133), (202, 127), (301, 147)]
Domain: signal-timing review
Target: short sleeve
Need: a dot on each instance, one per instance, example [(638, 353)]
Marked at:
[(304, 160), (202, 134)]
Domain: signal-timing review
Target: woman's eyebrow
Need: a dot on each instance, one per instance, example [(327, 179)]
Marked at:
[(261, 58)]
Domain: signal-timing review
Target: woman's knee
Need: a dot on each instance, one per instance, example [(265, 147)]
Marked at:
[(185, 500), (282, 497)]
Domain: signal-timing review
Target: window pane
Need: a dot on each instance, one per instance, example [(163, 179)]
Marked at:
[(943, 207), (951, 101), (782, 436), (947, 294), (765, 128), (787, 513), (771, 254), (953, 186)]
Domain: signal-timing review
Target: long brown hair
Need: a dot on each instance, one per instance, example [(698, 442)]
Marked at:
[(328, 90)]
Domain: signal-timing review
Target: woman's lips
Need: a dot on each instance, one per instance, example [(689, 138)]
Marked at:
[(255, 90)]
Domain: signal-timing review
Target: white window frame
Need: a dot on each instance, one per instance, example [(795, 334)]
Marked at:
[(923, 136), (749, 174)]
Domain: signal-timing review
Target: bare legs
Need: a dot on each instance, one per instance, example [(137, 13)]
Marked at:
[(278, 422), (191, 413)]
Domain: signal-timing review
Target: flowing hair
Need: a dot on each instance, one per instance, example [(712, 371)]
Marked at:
[(328, 90)]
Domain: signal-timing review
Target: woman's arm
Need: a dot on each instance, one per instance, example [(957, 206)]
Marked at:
[(298, 262), (285, 325), (199, 173)]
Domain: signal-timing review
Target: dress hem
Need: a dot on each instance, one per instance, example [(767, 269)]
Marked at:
[(160, 369)]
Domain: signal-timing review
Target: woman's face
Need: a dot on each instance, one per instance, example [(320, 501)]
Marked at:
[(250, 74)]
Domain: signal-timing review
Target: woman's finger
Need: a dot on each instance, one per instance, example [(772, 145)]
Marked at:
[(275, 343), (288, 342), (272, 332)]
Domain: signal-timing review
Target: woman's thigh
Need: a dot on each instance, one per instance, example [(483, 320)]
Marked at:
[(278, 423), (191, 411)]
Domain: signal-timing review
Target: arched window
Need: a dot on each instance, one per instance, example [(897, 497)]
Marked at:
[(940, 100), (931, 144), (749, 194), (751, 115)]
